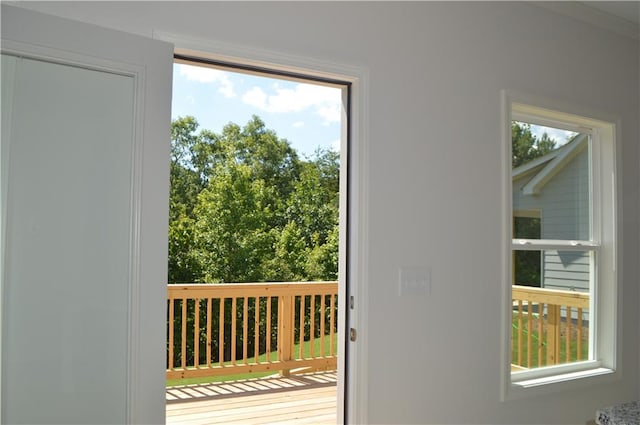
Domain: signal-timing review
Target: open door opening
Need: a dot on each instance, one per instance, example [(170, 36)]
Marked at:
[(257, 244)]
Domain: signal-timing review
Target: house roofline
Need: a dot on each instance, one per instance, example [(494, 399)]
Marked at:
[(554, 164)]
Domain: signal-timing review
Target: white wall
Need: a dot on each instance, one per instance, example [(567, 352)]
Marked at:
[(436, 71)]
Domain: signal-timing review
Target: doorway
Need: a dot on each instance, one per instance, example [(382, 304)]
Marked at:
[(256, 200)]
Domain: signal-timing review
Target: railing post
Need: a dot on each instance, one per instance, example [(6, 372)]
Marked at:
[(553, 333), (285, 330)]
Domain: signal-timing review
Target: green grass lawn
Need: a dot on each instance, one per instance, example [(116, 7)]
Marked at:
[(306, 347)]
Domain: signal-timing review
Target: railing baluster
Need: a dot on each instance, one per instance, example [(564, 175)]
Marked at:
[(256, 330), (332, 351), (183, 338), (303, 307), (268, 330), (529, 331), (323, 318), (209, 341), (221, 332), (557, 334), (312, 327), (540, 332), (196, 333), (519, 332), (234, 324), (579, 335), (245, 330), (567, 345), (171, 331)]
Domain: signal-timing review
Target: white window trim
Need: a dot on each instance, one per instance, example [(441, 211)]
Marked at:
[(603, 243)]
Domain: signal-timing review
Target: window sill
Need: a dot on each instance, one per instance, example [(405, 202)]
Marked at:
[(565, 381)]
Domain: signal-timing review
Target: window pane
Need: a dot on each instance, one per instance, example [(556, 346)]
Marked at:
[(550, 324), (551, 177)]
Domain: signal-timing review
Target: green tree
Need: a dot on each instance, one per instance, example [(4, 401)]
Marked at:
[(234, 232), (245, 207), (186, 184), (269, 158), (289, 256), (240, 214), (525, 146), (322, 261), (313, 205)]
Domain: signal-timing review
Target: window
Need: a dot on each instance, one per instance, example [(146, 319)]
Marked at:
[(561, 285)]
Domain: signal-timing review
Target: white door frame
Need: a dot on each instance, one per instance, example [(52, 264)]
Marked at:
[(352, 357)]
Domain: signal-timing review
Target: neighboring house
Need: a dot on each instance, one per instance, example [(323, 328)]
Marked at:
[(553, 190)]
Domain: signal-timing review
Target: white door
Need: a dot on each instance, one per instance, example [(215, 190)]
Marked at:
[(85, 148)]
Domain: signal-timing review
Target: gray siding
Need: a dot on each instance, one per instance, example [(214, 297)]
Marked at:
[(565, 270), (565, 201)]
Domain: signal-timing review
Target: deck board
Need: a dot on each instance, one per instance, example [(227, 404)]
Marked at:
[(301, 399)]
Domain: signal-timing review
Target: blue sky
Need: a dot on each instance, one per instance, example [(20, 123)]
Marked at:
[(306, 115)]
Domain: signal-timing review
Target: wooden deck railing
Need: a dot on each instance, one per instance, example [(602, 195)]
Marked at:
[(223, 329), (548, 327)]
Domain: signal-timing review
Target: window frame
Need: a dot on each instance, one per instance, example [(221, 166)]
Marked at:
[(604, 352)]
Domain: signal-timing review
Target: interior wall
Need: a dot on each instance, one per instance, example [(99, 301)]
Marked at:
[(434, 163)]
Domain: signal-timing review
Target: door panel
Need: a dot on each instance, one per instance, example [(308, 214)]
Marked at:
[(68, 269), (84, 252)]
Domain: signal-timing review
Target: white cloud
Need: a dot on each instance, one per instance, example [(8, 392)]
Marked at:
[(207, 75), (298, 124), (330, 113), (256, 97), (227, 90), (323, 100)]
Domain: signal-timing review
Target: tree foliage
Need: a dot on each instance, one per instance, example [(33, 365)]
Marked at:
[(245, 208), (525, 146)]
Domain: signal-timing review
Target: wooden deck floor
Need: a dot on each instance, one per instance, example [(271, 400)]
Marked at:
[(300, 399)]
